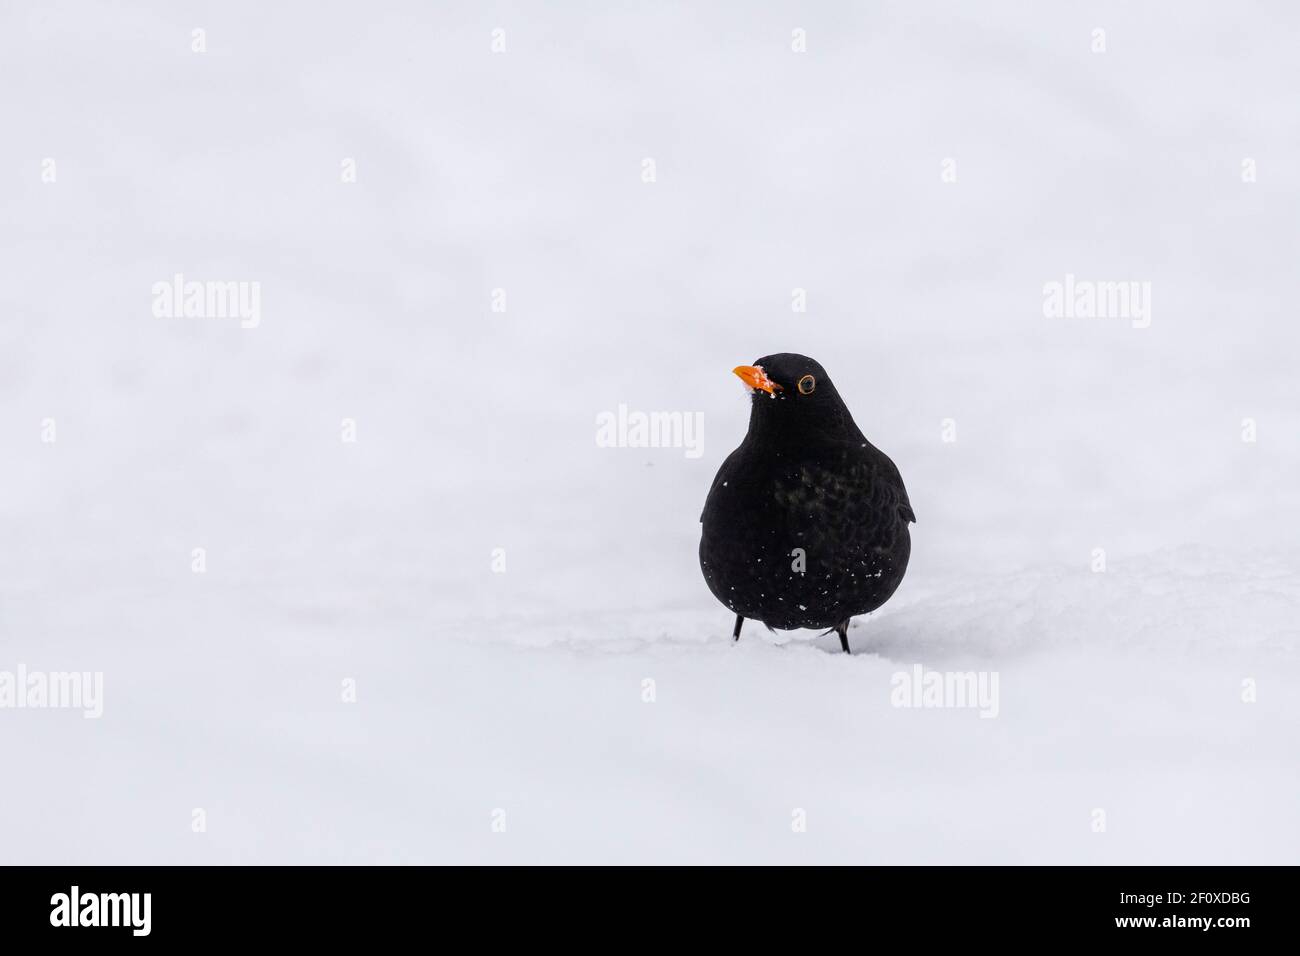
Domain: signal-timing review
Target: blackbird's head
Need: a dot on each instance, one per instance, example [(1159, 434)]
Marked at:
[(790, 391)]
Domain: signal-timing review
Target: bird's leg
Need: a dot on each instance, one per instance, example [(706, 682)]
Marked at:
[(842, 630), (740, 622)]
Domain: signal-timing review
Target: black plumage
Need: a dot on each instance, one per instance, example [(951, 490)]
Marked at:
[(806, 524)]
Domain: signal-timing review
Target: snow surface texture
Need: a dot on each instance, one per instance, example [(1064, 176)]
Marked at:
[(522, 692)]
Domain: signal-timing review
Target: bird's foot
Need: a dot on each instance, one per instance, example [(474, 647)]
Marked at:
[(842, 630)]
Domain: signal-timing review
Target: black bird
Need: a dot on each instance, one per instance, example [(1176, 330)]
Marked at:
[(806, 522)]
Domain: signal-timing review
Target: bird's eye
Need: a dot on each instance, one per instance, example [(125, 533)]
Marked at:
[(807, 384)]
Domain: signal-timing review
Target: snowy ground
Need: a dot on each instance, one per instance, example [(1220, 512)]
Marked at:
[(522, 691)]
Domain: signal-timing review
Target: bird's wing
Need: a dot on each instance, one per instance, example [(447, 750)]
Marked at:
[(888, 474), (724, 474), (853, 498), (881, 473)]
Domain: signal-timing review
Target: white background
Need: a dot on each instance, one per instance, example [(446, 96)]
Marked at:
[(522, 170)]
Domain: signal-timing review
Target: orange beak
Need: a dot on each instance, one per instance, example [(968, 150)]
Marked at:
[(755, 377)]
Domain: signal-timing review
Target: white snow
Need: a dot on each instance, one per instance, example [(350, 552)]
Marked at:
[(524, 691)]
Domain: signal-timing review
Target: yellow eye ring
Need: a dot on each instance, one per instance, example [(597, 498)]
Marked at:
[(807, 384)]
